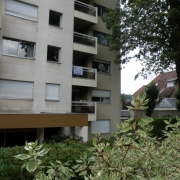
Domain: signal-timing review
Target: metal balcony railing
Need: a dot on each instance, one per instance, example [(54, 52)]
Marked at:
[(85, 8), (84, 39), (83, 72), (83, 107)]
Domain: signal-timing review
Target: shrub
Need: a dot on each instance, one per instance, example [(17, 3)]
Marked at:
[(135, 155), (67, 139)]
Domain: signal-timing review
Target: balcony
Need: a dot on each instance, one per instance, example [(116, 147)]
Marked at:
[(85, 13), (83, 76), (85, 43), (85, 107)]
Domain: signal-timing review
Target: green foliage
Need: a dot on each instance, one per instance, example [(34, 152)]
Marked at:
[(152, 92), (32, 159), (152, 28), (11, 167), (177, 96), (135, 154), (67, 139)]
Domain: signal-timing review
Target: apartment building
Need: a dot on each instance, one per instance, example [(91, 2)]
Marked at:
[(56, 70)]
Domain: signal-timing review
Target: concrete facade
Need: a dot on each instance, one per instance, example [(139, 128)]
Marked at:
[(40, 71)]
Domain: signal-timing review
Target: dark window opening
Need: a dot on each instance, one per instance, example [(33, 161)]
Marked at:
[(102, 11), (102, 38), (55, 18), (53, 53), (102, 66)]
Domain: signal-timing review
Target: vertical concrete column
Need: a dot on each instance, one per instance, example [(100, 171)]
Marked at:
[(66, 130), (40, 135), (82, 131)]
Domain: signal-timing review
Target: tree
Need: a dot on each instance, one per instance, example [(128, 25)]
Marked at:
[(152, 92), (150, 27)]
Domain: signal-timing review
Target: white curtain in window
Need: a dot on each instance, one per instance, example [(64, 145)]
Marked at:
[(100, 93), (21, 9), (16, 89), (10, 47), (52, 91), (102, 126)]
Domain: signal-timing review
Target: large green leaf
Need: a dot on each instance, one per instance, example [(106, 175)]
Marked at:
[(125, 129), (31, 166), (137, 177), (147, 119), (43, 152), (22, 156)]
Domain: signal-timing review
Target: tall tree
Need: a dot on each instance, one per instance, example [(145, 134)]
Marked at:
[(152, 28), (152, 92)]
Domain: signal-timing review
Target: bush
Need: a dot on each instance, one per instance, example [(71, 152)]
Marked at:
[(67, 139), (159, 126), (11, 167)]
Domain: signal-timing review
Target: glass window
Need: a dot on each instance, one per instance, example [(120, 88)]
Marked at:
[(21, 9), (52, 91), (18, 48), (101, 96), (101, 10), (16, 89), (102, 38), (103, 126), (55, 18), (102, 66), (53, 54)]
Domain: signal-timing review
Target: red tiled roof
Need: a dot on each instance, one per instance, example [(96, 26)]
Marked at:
[(161, 80), (166, 92), (140, 91)]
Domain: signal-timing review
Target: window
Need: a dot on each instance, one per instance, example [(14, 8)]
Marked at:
[(53, 54), (101, 96), (18, 48), (21, 9), (101, 10), (102, 126), (102, 66), (102, 38), (52, 92), (55, 18), (16, 89)]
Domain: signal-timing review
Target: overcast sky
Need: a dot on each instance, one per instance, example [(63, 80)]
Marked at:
[(128, 84)]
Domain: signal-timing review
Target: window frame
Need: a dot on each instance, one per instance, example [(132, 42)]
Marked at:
[(59, 54), (101, 97), (18, 41), (99, 40), (15, 14), (103, 62), (18, 98), (60, 18), (101, 10), (47, 99)]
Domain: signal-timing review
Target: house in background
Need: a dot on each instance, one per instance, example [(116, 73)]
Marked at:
[(56, 70), (166, 102)]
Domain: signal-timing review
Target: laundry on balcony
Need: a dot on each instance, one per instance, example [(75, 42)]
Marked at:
[(78, 70)]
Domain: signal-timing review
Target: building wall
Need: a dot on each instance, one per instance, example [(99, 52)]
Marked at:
[(107, 111), (39, 70)]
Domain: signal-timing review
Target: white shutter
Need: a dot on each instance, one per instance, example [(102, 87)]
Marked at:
[(99, 93), (102, 126), (21, 9), (52, 92), (16, 89)]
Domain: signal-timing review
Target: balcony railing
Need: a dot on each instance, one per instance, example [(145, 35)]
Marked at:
[(83, 107), (85, 8), (83, 72), (84, 39)]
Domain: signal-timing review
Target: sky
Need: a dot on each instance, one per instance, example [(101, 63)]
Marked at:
[(128, 84)]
